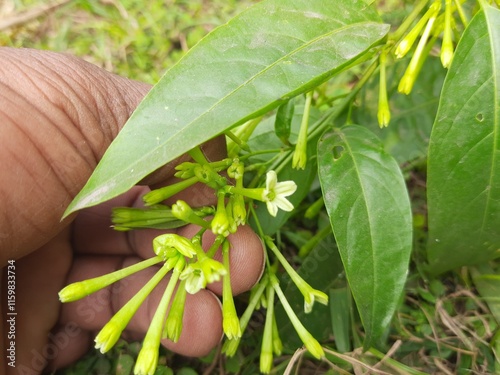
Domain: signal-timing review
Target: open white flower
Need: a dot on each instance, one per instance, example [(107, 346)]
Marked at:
[(195, 278), (276, 192)]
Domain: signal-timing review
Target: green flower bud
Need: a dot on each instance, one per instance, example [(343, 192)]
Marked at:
[(163, 244), (300, 154), (184, 212), (159, 195), (173, 325)]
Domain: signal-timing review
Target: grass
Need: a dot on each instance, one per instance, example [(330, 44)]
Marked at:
[(442, 327)]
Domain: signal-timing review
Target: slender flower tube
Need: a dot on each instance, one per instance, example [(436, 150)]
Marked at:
[(173, 325), (310, 294), (447, 46), (110, 333), (230, 346), (384, 113), (461, 13), (407, 42), (300, 154), (147, 360), (266, 351), (159, 195), (81, 289), (312, 345), (406, 84), (230, 321), (277, 343), (155, 217)]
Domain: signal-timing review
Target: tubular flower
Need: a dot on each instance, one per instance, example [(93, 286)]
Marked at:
[(300, 155), (312, 345)]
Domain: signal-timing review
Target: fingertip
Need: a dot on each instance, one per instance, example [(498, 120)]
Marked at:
[(202, 326), (69, 342), (246, 260)]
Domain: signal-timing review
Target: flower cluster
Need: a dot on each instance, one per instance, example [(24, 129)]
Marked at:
[(263, 294), (191, 261), (433, 23)]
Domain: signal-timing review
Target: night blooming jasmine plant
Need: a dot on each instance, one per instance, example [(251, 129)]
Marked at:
[(323, 106), (192, 268)]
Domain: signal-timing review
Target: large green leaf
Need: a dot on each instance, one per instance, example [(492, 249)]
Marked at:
[(367, 201), (464, 153), (271, 52)]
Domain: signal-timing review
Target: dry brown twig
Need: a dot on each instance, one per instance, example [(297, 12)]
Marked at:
[(29, 15)]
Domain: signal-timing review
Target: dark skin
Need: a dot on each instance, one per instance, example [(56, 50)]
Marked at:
[(58, 115)]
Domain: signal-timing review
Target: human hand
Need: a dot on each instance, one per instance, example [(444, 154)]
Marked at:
[(58, 115)]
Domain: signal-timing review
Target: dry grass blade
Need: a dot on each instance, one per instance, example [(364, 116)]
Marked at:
[(356, 363), (29, 15), (389, 354)]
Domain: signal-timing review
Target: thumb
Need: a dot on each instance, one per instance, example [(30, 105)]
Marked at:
[(59, 114)]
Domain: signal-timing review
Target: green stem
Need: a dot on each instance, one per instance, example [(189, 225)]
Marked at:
[(236, 140), (309, 245), (215, 246), (461, 13), (198, 155)]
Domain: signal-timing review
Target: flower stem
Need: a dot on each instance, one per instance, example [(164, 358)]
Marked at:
[(266, 351)]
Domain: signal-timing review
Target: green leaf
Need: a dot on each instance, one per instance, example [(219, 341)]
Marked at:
[(464, 153), (268, 54), (367, 201)]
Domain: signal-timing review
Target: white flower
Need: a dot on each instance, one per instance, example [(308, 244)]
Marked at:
[(195, 278), (313, 295), (276, 192)]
